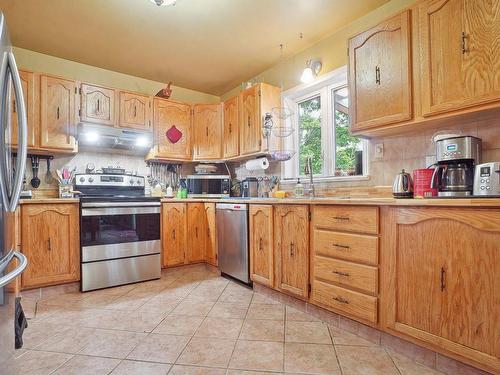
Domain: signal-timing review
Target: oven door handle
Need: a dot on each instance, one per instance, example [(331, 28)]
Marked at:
[(120, 204), (111, 211)]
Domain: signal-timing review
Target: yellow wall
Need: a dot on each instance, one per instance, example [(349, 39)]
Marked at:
[(332, 51), (40, 62)]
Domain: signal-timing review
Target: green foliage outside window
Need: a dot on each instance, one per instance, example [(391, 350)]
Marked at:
[(310, 134)]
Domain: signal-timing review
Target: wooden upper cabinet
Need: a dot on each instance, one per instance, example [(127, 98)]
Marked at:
[(291, 233), (231, 128), (250, 124), (460, 54), (380, 80), (135, 111), (174, 235), (196, 229), (97, 104), (442, 289), (57, 113), (30, 102), (166, 115), (50, 241), (207, 126), (261, 244), (211, 240)]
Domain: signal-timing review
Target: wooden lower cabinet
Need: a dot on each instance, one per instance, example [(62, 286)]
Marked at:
[(173, 236), (261, 244), (196, 232), (211, 240), (50, 239), (291, 246), (440, 282)]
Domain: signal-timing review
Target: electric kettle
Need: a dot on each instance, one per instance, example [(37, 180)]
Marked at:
[(402, 186)]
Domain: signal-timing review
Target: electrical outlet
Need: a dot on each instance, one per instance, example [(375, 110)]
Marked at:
[(379, 151)]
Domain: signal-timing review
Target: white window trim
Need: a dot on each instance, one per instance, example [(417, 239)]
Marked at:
[(322, 86)]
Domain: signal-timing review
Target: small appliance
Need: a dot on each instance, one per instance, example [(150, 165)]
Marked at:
[(208, 186), (454, 172), (487, 179), (403, 185), (250, 187)]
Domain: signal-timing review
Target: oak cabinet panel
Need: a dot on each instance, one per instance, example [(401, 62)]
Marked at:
[(167, 114), (250, 127), (207, 125), (97, 104), (196, 232), (174, 235), (460, 54), (291, 233), (363, 219), (380, 74), (231, 129), (31, 102), (135, 111), (57, 113), (50, 241), (211, 240), (261, 244)]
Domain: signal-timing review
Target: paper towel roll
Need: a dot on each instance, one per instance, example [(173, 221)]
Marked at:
[(257, 164)]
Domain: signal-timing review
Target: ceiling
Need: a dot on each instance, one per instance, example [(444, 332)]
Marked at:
[(205, 45)]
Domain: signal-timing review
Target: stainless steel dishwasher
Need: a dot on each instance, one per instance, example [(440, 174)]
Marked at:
[(232, 239)]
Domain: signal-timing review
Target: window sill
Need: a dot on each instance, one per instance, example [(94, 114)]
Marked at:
[(292, 181)]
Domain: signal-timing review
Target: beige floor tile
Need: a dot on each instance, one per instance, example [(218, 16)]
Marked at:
[(299, 316), (257, 355), (158, 307), (356, 360), (247, 372), (40, 331), (203, 351), (70, 341), (220, 328), (196, 370), (179, 325), (341, 337), (159, 348), (82, 365), (311, 359), (193, 307), (112, 344), (236, 296), (264, 330), (128, 303), (307, 332), (271, 312), (408, 367), (141, 368), (229, 310), (36, 363), (262, 299), (125, 320)]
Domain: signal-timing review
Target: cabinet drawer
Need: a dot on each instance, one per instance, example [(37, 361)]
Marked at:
[(348, 218), (347, 274), (352, 303), (354, 247)]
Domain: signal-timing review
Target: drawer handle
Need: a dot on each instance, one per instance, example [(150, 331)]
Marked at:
[(340, 273), (341, 246), (340, 299), (341, 218)]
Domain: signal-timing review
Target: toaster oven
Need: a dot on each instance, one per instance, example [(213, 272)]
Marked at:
[(487, 179)]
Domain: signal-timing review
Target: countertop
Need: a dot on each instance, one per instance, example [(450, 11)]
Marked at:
[(48, 200)]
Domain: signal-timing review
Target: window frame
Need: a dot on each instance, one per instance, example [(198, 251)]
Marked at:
[(324, 87)]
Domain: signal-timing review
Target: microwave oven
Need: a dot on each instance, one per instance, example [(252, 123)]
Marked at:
[(208, 186)]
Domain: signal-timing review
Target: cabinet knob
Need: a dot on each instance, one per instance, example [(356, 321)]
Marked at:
[(464, 46), (340, 299)]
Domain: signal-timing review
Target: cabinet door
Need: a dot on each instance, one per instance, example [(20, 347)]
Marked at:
[(28, 86), (97, 104), (135, 111), (167, 114), (443, 290), (261, 245), (207, 124), (460, 54), (291, 233), (211, 240), (196, 232), (174, 239), (231, 138), (57, 113), (50, 241), (250, 124), (380, 74)]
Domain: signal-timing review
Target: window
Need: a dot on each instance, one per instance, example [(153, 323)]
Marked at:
[(321, 122)]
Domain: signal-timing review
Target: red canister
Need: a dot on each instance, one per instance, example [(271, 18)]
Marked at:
[(422, 183)]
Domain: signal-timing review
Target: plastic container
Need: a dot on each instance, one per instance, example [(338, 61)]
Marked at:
[(422, 183), (299, 189)]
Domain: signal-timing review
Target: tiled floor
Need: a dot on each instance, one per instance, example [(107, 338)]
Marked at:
[(191, 322)]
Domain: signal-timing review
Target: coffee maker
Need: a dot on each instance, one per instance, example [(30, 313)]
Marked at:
[(454, 172)]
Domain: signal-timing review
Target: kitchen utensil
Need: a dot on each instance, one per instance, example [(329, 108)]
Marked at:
[(48, 176), (487, 179), (59, 175), (402, 186), (35, 181)]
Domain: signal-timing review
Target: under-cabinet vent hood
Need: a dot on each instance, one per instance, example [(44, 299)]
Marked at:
[(110, 139)]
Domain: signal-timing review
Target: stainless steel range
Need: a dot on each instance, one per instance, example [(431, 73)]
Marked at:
[(119, 230)]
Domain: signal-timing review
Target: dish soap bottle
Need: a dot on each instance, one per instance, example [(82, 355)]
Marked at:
[(299, 189)]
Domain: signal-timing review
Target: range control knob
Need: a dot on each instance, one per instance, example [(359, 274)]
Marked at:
[(82, 179), (91, 179), (131, 181)]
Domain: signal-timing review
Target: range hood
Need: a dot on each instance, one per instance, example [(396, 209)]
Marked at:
[(110, 139)]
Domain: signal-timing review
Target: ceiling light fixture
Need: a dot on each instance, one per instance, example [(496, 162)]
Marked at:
[(312, 69), (163, 3)]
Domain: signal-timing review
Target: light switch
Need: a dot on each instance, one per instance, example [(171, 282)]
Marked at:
[(379, 151)]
